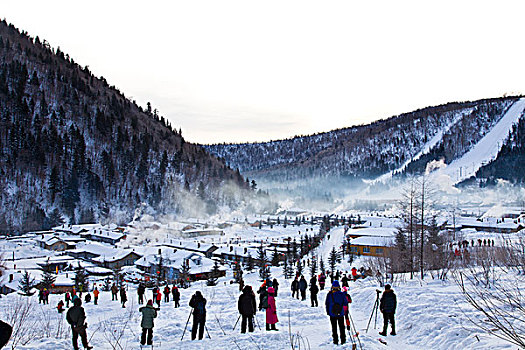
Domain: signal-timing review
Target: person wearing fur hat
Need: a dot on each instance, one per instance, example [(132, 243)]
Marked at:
[(148, 314), (335, 303), (387, 305), (271, 311)]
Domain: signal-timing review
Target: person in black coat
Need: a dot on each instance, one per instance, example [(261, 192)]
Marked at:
[(76, 317), (387, 305), (302, 287), (5, 333), (295, 288), (198, 303), (140, 291), (247, 308), (313, 292), (275, 286)]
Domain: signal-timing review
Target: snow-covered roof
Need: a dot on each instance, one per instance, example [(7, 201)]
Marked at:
[(373, 241), (106, 234), (374, 231)]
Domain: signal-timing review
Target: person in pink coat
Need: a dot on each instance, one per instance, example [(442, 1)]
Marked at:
[(271, 311)]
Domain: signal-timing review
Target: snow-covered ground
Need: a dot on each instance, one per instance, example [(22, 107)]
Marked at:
[(431, 314)]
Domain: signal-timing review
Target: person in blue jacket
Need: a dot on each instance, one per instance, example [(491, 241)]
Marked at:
[(335, 303)]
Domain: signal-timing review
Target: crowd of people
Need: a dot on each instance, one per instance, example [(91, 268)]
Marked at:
[(337, 305)]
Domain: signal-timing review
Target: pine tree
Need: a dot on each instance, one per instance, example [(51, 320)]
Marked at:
[(263, 268), (185, 274), (299, 268), (81, 280), (250, 264), (214, 275), (321, 265), (332, 260), (48, 279), (26, 284), (313, 268), (275, 257)]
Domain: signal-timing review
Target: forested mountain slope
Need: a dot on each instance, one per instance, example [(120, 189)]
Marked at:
[(401, 144), (74, 148)]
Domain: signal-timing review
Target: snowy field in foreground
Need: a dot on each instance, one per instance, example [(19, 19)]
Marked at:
[(430, 315)]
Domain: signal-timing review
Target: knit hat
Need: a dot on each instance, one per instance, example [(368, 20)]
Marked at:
[(150, 302), (335, 284), (345, 289)]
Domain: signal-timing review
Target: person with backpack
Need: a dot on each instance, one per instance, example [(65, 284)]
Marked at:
[(5, 333), (335, 302), (302, 287), (76, 317), (148, 314), (271, 311), (295, 288), (387, 306), (247, 308), (123, 296), (167, 294), (347, 308), (176, 295), (140, 292), (263, 296), (198, 303), (313, 293)]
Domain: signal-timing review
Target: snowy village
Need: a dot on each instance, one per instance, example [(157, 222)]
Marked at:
[(262, 175), (108, 266)]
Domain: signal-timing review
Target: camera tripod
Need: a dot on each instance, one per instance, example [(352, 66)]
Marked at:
[(374, 311)]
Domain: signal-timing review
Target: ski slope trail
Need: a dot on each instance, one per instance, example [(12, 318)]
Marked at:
[(485, 150)]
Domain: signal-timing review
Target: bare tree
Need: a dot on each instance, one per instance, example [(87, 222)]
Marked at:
[(500, 306), (19, 313)]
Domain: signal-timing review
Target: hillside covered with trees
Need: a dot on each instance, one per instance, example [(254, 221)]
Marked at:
[(75, 149)]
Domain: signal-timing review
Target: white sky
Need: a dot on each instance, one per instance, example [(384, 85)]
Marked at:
[(254, 71)]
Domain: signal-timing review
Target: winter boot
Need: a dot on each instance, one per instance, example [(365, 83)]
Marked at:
[(273, 327), (267, 326), (383, 333)]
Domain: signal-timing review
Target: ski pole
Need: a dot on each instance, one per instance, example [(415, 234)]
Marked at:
[(237, 322), (206, 328), (186, 325), (256, 322)]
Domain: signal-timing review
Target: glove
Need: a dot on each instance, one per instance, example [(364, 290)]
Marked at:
[(348, 327)]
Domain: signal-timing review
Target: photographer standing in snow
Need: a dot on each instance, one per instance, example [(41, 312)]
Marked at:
[(388, 305), (76, 317)]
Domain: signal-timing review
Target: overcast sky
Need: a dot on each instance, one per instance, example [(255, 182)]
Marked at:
[(231, 71)]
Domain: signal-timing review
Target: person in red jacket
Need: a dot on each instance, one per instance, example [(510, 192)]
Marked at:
[(95, 294), (271, 311), (167, 294), (354, 273), (158, 297)]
